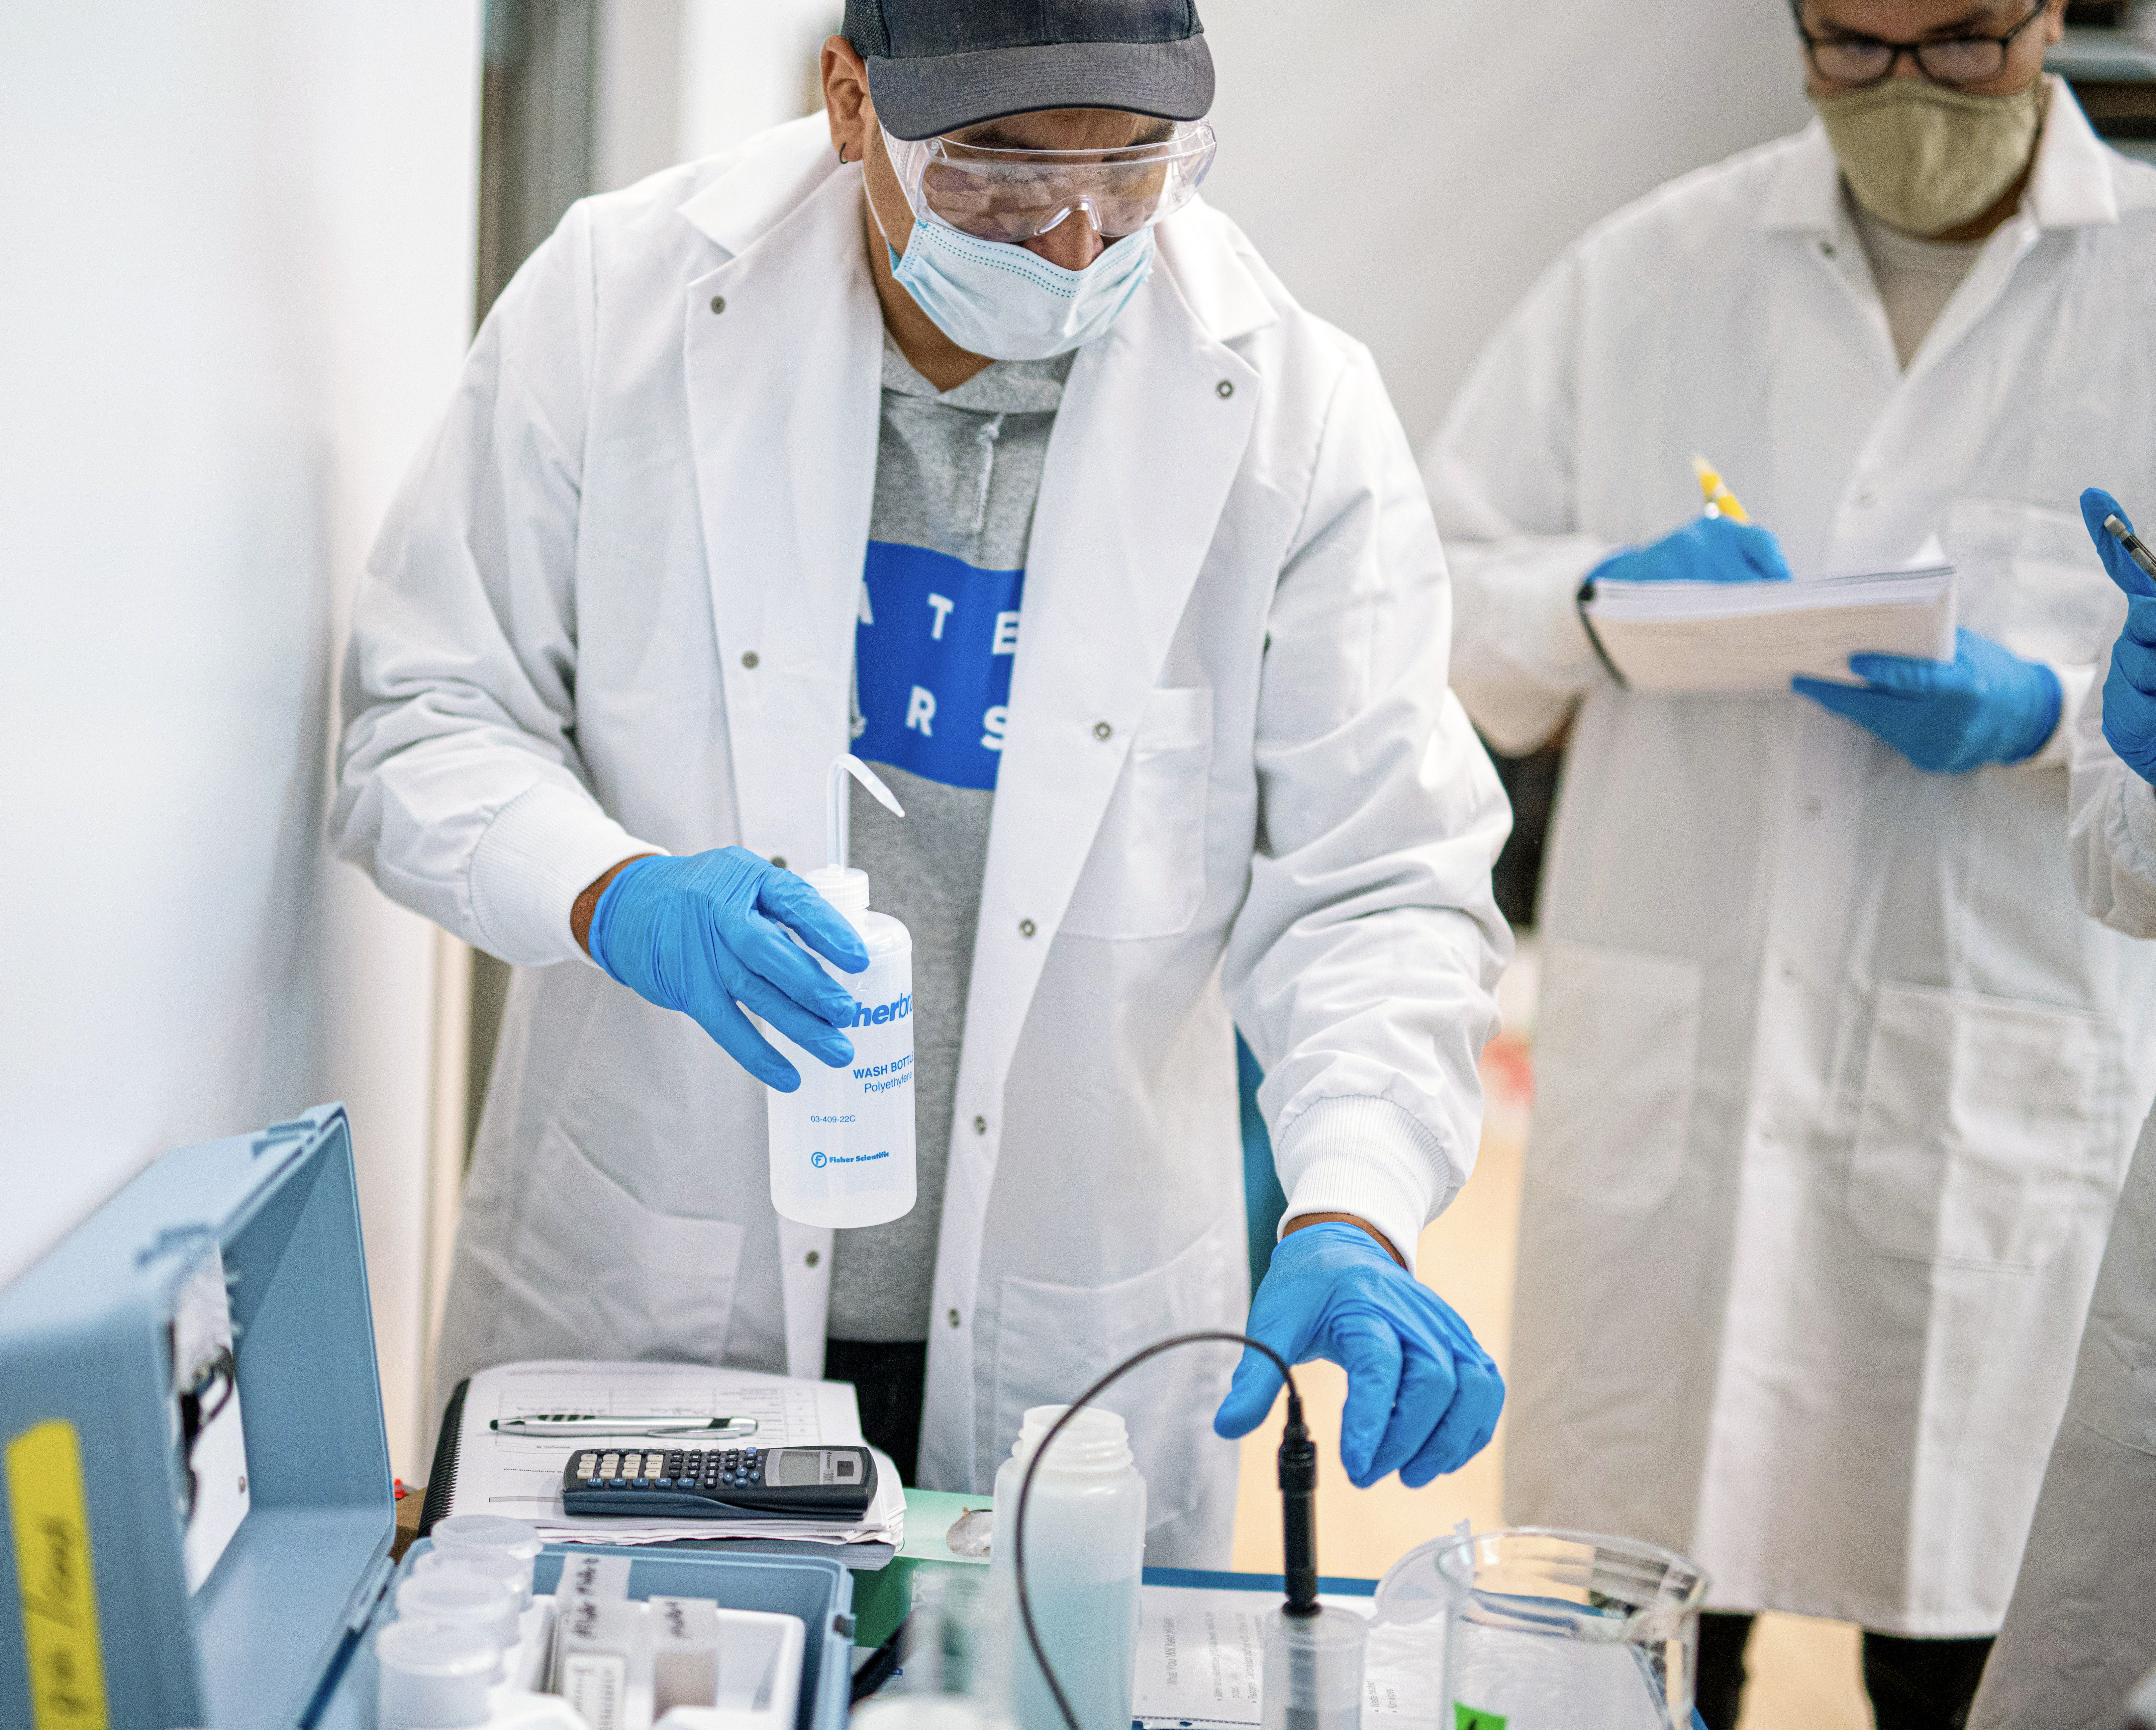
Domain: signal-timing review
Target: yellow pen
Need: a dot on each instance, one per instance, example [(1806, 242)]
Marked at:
[(1721, 502)]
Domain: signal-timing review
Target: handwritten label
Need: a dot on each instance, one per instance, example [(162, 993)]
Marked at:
[(52, 1573)]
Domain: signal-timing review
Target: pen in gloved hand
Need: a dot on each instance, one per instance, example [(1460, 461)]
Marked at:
[(1721, 502), (2137, 549)]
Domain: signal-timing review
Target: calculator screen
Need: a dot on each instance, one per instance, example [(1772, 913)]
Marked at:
[(796, 1466)]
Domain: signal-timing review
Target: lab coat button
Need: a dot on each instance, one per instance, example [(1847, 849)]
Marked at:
[(1224, 389), (980, 1126), (780, 860), (1102, 729), (1826, 248), (718, 303), (953, 1317), (813, 1258), (751, 659), (1026, 928)]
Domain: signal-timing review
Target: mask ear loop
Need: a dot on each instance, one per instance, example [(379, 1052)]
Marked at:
[(898, 173)]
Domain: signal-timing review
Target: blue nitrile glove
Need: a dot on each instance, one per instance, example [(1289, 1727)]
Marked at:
[(1708, 550), (706, 936), (2129, 688), (1423, 1397), (1986, 705)]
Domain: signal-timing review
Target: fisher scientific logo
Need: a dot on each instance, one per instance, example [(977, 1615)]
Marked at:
[(897, 1010), (817, 1160)]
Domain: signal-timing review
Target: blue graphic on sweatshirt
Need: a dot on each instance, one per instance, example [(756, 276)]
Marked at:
[(932, 660)]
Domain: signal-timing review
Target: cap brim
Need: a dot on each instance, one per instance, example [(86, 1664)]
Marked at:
[(921, 98)]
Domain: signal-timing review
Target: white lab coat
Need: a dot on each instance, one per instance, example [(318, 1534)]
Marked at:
[(2082, 1629), (613, 608), (1835, 1084)]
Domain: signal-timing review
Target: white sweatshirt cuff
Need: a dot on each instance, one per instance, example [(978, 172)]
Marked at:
[(543, 850), (1356, 1154), (2075, 684), (2137, 803)]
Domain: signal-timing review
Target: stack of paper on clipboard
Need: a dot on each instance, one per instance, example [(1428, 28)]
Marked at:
[(484, 1470), (1699, 637)]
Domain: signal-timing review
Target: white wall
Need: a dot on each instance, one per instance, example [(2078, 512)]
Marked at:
[(239, 237), (746, 65), (1409, 166)]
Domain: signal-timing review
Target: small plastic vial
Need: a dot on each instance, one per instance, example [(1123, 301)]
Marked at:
[(435, 1675), (493, 1544), (460, 1595)]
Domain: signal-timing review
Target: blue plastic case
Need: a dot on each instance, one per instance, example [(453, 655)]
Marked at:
[(266, 1644)]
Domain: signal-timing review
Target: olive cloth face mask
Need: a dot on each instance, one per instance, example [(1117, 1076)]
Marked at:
[(1923, 158)]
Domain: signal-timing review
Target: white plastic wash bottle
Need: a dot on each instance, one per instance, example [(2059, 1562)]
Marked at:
[(1085, 1549), (842, 1146)]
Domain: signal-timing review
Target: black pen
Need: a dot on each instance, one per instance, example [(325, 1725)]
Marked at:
[(592, 1423), (2137, 549)]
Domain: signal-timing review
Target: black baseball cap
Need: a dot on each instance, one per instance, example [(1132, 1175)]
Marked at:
[(937, 65)]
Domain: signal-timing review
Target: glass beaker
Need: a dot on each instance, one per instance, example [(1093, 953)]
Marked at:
[(954, 1670), (1544, 1630)]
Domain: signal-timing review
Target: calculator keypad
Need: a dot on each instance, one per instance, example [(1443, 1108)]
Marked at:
[(717, 1483), (710, 1471)]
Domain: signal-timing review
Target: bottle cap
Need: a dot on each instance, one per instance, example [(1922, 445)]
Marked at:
[(475, 1600), (845, 887), (489, 1532), (423, 1646)]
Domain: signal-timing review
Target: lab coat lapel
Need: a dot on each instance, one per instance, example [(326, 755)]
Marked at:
[(2070, 187), (782, 349), (1153, 425)]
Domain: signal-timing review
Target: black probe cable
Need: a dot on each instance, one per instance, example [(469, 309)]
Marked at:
[(1298, 1479)]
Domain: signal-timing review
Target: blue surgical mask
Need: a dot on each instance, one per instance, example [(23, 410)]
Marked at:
[(995, 298)]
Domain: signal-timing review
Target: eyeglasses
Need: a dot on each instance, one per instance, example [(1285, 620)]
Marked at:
[(1014, 195), (1952, 60)]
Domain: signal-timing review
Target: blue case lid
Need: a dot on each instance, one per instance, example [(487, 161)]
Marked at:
[(85, 1340)]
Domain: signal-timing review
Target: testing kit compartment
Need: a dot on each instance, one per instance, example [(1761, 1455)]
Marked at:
[(196, 1477)]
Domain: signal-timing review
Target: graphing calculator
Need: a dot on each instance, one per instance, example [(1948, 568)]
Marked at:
[(721, 1483)]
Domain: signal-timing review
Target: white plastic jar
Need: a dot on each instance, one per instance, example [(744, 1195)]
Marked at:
[(1085, 1551)]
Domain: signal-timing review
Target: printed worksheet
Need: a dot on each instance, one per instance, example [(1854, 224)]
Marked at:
[(522, 1475)]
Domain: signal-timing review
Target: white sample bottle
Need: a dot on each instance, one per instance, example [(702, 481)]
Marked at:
[(842, 1145), (1085, 1549)]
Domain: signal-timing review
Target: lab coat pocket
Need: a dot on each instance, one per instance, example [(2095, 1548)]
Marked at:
[(2028, 578), (629, 1281), (1616, 1048), (1983, 1140), (1145, 874), (1053, 1341)]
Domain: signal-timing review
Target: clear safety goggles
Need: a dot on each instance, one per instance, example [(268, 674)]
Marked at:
[(1012, 195)]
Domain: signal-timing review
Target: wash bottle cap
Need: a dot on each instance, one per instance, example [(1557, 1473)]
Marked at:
[(836, 882)]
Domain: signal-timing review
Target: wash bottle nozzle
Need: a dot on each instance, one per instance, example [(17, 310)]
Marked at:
[(835, 880)]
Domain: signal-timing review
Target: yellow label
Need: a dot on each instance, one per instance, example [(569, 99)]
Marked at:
[(53, 1578)]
